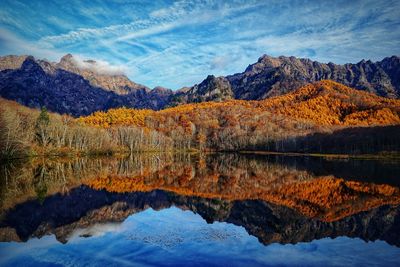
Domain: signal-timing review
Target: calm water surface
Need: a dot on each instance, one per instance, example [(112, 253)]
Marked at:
[(197, 210)]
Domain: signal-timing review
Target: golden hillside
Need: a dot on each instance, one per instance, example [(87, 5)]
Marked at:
[(323, 103), (331, 103)]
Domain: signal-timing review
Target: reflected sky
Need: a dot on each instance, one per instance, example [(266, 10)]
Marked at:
[(173, 237)]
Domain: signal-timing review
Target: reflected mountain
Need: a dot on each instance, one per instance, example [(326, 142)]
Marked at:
[(83, 207), (275, 199)]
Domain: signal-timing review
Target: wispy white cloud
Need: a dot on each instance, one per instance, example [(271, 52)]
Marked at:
[(148, 31)]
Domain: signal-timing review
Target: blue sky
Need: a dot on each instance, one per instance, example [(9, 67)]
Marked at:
[(178, 43)]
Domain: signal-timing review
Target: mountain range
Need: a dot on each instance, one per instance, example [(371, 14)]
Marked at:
[(79, 88)]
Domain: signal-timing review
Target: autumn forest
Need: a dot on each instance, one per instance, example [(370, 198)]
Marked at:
[(322, 117)]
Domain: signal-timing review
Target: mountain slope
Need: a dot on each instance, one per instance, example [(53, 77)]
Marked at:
[(63, 88), (330, 103), (211, 89), (96, 74), (61, 91), (91, 71), (275, 76), (11, 62), (322, 103)]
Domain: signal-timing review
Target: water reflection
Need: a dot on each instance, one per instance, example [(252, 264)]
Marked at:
[(276, 199)]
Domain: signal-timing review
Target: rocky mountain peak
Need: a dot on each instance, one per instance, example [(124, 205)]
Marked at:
[(67, 58), (68, 62), (11, 62), (161, 90), (211, 89), (89, 69), (390, 62), (209, 78), (263, 62), (363, 61), (30, 65)]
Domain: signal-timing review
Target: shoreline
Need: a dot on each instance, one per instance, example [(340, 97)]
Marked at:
[(384, 155), (380, 155)]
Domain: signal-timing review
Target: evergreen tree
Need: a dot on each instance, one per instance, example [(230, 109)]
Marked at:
[(42, 132)]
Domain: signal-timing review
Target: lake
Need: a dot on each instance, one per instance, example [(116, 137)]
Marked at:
[(217, 209)]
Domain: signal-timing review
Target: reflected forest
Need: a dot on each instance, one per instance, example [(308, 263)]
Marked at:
[(301, 199)]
